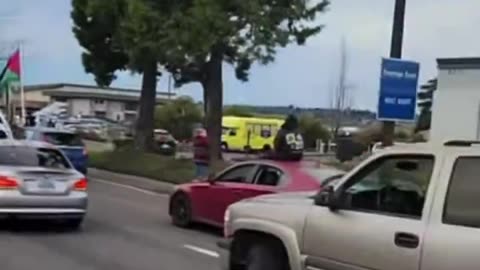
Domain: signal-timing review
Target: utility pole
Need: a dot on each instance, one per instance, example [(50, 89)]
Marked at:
[(388, 128)]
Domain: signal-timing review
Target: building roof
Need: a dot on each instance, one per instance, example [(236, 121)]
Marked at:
[(89, 91), (459, 63)]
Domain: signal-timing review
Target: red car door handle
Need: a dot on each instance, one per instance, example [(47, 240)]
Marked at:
[(237, 192)]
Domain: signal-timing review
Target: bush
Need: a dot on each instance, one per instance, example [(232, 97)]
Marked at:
[(91, 136), (402, 135), (312, 130), (418, 138), (369, 135), (123, 143), (178, 117), (158, 167), (237, 110)]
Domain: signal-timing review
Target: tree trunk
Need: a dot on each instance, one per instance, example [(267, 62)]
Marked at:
[(144, 124), (205, 97), (213, 92), (205, 106)]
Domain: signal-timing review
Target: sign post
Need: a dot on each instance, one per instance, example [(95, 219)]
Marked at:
[(397, 99)]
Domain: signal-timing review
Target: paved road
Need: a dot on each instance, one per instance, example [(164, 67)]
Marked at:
[(126, 229)]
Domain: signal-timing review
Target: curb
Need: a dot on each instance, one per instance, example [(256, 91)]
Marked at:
[(131, 180)]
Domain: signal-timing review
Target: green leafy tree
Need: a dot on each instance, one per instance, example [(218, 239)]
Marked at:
[(237, 110), (312, 130), (179, 117), (94, 27), (238, 32), (120, 35), (192, 39), (425, 101)]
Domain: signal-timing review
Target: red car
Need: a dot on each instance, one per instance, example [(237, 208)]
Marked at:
[(206, 201)]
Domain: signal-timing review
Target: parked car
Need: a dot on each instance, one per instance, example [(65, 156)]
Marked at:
[(206, 201), (165, 142), (38, 181), (398, 210), (379, 146), (68, 141)]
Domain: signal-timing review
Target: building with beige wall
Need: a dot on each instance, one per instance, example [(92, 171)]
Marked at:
[(118, 104), (456, 102)]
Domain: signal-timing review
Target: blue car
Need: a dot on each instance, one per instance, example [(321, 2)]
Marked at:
[(69, 142)]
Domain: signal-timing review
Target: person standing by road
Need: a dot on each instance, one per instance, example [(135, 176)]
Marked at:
[(288, 144), (201, 156)]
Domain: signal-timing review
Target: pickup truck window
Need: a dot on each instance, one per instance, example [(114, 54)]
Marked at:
[(393, 185), (463, 197)]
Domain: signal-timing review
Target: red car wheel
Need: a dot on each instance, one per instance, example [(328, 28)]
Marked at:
[(181, 210)]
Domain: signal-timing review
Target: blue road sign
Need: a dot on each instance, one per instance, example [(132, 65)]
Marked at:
[(397, 99)]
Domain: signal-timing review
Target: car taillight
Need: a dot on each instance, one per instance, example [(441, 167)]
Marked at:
[(7, 182), (81, 185)]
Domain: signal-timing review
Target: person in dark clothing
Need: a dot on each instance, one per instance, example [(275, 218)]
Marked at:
[(201, 156), (50, 123), (288, 143), (30, 120)]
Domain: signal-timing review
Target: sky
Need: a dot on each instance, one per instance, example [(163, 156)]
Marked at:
[(301, 75)]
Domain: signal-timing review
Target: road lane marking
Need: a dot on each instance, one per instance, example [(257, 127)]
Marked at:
[(144, 191), (202, 251)]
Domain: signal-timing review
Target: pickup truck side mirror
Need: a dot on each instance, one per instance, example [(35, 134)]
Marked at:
[(327, 197)]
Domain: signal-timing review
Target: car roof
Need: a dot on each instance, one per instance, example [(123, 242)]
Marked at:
[(26, 143), (50, 130), (290, 165)]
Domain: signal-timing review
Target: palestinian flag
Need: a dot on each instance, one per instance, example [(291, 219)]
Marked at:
[(11, 72)]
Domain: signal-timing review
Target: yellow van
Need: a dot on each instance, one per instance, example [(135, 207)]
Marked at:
[(249, 133)]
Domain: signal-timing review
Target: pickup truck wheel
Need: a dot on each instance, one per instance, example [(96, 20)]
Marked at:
[(181, 210), (263, 256)]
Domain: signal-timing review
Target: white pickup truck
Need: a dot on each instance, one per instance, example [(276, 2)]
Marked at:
[(405, 208)]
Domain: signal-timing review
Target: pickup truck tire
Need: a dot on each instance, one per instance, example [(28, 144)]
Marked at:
[(266, 256), (181, 210)]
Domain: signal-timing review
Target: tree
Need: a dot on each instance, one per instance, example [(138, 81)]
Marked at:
[(424, 102), (120, 35), (341, 98), (211, 32), (179, 117), (237, 110), (312, 130)]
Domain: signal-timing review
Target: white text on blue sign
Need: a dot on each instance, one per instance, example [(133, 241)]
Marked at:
[(399, 74), (398, 101)]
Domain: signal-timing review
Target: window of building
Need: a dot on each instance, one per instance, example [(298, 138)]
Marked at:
[(99, 101), (463, 197), (100, 114), (131, 106), (60, 99)]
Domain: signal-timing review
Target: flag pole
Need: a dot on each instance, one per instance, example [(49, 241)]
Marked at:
[(22, 93)]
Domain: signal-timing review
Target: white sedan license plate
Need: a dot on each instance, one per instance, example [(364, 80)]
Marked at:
[(46, 184)]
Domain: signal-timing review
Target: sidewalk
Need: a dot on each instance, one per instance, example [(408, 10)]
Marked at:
[(130, 180)]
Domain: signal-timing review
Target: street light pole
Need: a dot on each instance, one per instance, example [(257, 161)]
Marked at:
[(388, 127)]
